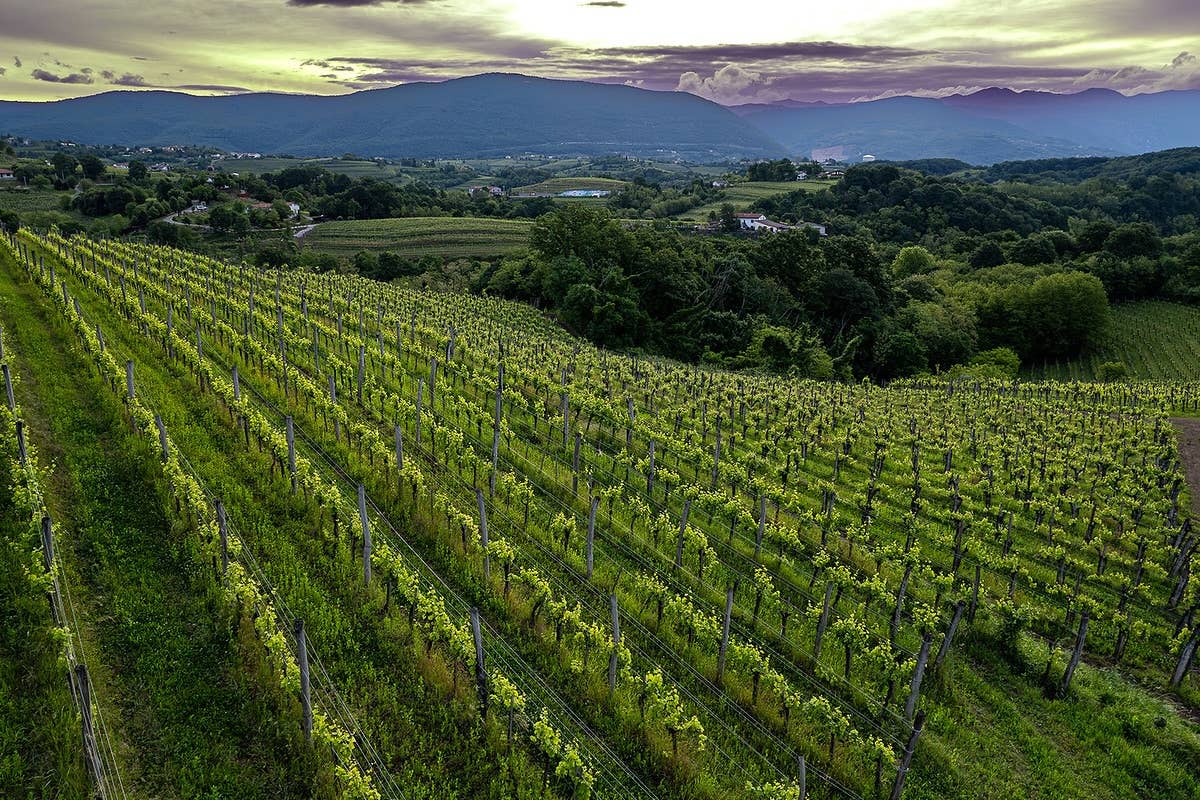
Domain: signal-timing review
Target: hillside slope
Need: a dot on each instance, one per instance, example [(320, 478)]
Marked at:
[(987, 126), (493, 114)]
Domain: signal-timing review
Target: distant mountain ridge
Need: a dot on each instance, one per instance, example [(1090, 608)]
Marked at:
[(503, 114), (492, 114), (988, 126)]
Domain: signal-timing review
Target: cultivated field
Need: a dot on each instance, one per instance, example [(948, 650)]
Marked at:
[(527, 567), (25, 200), (446, 237)]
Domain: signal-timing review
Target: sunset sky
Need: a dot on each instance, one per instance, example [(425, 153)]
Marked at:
[(732, 52)]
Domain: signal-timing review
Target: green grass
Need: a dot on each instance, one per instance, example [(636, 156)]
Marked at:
[(186, 716), (413, 237), (1154, 339), (744, 195)]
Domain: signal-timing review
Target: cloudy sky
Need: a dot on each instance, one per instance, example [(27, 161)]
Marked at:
[(732, 52)]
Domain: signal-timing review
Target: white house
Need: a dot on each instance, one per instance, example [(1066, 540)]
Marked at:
[(7, 175), (294, 209), (753, 221)]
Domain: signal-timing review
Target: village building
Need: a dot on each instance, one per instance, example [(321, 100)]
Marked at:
[(7, 175), (753, 221)]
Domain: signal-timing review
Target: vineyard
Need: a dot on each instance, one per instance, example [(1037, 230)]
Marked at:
[(444, 549), (413, 237), (1155, 340)]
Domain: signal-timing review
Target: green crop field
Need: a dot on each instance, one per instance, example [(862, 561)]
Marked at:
[(24, 200), (316, 536), (1155, 340), (743, 195), (447, 237)]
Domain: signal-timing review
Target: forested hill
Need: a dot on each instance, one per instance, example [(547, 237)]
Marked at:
[(1180, 161), (493, 114)]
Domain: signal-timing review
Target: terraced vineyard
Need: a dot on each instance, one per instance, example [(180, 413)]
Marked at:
[(529, 566), (445, 237)]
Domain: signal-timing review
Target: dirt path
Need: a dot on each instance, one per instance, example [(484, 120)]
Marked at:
[(1188, 431)]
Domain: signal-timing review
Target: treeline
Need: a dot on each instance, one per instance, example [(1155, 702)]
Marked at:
[(1140, 237), (654, 201), (336, 196), (816, 306)]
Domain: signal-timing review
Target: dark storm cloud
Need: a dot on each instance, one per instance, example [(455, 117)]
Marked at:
[(605, 4), (127, 79), (50, 77)]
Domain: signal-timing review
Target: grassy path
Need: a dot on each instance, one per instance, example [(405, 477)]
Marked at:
[(186, 716)]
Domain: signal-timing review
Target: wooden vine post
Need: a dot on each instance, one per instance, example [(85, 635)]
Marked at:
[(591, 535), (483, 534), (616, 636), (906, 759), (1076, 654), (725, 633), (366, 533), (223, 530), (918, 674), (481, 684), (305, 696), (291, 446)]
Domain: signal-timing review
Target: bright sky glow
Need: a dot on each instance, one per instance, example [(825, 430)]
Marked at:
[(730, 52)]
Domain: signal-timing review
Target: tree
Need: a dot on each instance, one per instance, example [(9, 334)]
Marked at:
[(138, 171), (92, 167), (999, 362), (1065, 313), (10, 221), (1033, 250), (1134, 239), (946, 331), (64, 169), (987, 255), (729, 221), (228, 218), (912, 260)]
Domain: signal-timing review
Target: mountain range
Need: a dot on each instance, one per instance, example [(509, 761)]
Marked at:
[(501, 114)]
